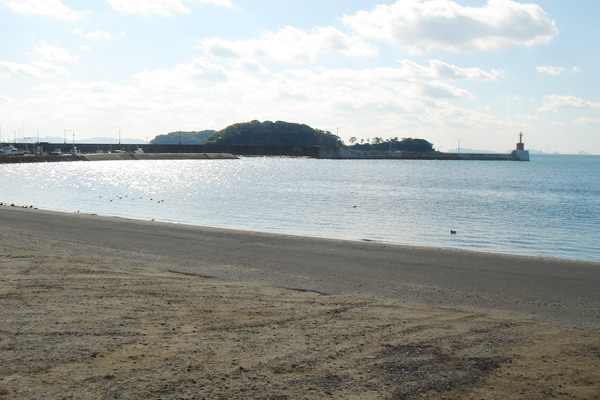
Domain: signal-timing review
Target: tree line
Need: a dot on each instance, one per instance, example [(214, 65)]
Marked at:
[(280, 133), (394, 144)]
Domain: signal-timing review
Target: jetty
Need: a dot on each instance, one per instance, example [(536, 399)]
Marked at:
[(342, 152), (44, 158), (157, 156), (51, 152)]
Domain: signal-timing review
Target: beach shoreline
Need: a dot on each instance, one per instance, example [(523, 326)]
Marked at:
[(552, 289), (98, 307)]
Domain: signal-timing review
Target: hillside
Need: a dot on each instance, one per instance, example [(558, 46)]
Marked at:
[(269, 133), (179, 137)]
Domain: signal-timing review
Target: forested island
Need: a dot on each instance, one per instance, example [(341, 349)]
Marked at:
[(280, 133), (284, 139), (180, 137)]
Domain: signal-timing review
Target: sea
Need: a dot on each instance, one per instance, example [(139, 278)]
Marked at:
[(548, 207)]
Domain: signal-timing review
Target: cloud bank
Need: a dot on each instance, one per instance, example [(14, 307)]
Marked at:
[(419, 26), (163, 8), (47, 8)]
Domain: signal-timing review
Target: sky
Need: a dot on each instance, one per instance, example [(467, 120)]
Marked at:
[(472, 73)]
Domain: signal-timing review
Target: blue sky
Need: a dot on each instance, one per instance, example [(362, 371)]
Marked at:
[(475, 71)]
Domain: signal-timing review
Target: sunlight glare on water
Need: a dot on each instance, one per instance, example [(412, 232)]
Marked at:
[(547, 207)]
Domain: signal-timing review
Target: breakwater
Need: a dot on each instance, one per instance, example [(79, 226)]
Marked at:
[(240, 150), (349, 154), (184, 151), (157, 156), (115, 156), (37, 159)]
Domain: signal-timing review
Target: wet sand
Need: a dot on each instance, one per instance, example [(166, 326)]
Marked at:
[(96, 307)]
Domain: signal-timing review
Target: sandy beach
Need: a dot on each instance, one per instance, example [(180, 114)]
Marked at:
[(96, 307)]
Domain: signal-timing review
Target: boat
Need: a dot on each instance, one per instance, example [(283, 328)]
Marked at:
[(12, 151)]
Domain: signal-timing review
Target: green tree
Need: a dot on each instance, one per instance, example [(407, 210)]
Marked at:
[(269, 133), (193, 137)]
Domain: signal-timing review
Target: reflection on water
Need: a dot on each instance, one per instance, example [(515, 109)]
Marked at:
[(547, 207)]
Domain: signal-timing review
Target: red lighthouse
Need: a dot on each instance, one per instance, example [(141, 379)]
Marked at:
[(521, 145), (520, 154)]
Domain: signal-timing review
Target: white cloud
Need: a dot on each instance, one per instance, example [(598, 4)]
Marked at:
[(222, 3), (435, 73), (444, 91), (149, 7), (42, 67), (555, 71), (52, 53), (439, 70), (48, 8), (164, 8), (554, 102), (183, 77), (410, 96), (8, 69), (98, 35), (587, 121), (205, 94), (558, 124), (292, 45), (419, 26), (93, 35), (36, 69)]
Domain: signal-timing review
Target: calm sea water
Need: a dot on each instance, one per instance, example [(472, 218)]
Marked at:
[(549, 206)]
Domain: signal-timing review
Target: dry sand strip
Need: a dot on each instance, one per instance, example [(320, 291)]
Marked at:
[(83, 316)]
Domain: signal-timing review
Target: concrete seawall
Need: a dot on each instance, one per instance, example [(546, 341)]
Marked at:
[(37, 159), (349, 154), (158, 156), (240, 150), (115, 156)]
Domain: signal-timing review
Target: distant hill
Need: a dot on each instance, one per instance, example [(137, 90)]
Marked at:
[(269, 133), (180, 137)]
